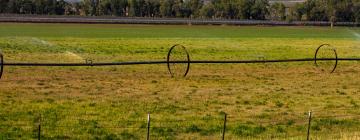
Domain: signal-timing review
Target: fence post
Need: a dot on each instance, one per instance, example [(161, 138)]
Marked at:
[(39, 127), (148, 127), (309, 126), (224, 129)]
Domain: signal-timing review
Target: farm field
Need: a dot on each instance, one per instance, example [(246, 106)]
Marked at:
[(263, 101)]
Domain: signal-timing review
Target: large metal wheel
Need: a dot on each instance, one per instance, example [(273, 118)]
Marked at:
[(178, 61), (326, 58)]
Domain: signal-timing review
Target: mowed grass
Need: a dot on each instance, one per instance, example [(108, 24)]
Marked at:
[(263, 101), (165, 31)]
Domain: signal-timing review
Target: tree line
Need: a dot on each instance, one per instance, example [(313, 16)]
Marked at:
[(310, 10)]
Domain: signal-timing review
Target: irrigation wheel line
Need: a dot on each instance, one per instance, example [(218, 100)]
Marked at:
[(188, 62), (335, 53)]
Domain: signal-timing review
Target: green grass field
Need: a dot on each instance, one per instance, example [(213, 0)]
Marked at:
[(263, 101)]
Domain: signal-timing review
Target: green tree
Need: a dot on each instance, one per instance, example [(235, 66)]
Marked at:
[(12, 6), (40, 6), (136, 8), (90, 7), (3, 6), (244, 8), (195, 6), (118, 7), (277, 11), (27, 7), (297, 12), (105, 7), (340, 10), (259, 10), (207, 11), (60, 7), (186, 9), (219, 8), (177, 8), (152, 8), (356, 10), (311, 10), (165, 8), (50, 6)]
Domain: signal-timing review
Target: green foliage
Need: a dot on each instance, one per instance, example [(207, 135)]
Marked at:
[(165, 8), (125, 136), (167, 133), (113, 7), (248, 130), (331, 10), (280, 129), (211, 130), (207, 11), (329, 123), (259, 10), (192, 129), (312, 10), (279, 104), (277, 11)]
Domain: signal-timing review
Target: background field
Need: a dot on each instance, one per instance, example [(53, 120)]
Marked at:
[(263, 100)]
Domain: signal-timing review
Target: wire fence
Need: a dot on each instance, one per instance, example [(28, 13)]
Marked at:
[(153, 126)]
